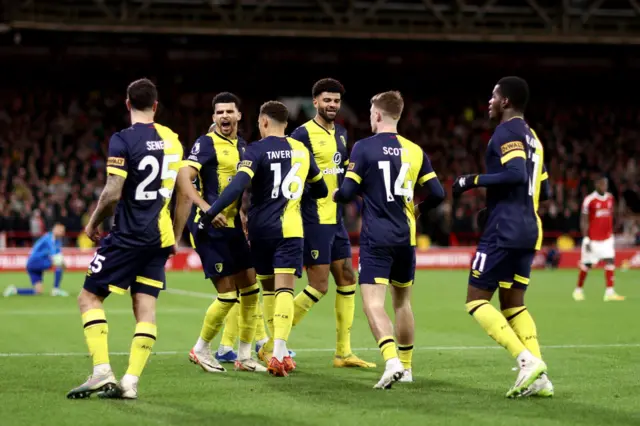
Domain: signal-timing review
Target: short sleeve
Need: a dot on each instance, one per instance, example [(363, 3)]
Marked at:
[(201, 152), (314, 171), (357, 163), (250, 160), (302, 134), (426, 170), (508, 148), (117, 161)]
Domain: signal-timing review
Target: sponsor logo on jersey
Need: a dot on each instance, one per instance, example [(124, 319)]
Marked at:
[(115, 161), (511, 146)]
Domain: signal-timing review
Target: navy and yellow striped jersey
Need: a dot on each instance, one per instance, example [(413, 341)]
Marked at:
[(279, 167), (216, 159), (148, 156), (329, 149), (512, 210), (387, 167)]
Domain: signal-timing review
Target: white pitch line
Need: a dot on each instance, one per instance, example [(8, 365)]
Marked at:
[(424, 348), (190, 293), (108, 311)]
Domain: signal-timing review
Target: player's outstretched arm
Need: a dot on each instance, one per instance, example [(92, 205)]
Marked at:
[(184, 200), (230, 194), (317, 186), (106, 203)]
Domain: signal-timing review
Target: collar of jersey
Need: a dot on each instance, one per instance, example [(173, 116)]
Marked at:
[(225, 138), (324, 128)]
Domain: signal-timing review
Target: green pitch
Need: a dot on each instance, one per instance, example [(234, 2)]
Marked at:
[(592, 349)]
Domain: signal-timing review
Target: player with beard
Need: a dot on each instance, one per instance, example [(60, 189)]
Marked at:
[(326, 242), (223, 250)]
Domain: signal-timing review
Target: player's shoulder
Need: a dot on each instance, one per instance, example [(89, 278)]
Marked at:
[(297, 145), (339, 128), (590, 198)]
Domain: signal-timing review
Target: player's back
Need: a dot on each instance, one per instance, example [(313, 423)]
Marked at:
[(513, 220), (387, 166), (148, 156), (279, 167)]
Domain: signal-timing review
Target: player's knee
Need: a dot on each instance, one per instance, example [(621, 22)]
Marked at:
[(87, 300), (224, 284), (144, 307), (319, 278), (38, 288)]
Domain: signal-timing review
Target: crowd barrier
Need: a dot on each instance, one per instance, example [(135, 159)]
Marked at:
[(15, 259)]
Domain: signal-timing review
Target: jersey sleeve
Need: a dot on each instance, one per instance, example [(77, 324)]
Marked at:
[(242, 147), (357, 163), (544, 176), (314, 174), (302, 134), (426, 171), (250, 160), (118, 159), (201, 152), (508, 148)]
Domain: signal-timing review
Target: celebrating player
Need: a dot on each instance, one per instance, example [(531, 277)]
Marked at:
[(46, 252), (383, 169), (278, 168), (512, 234), (596, 224), (223, 250), (326, 242), (142, 167)]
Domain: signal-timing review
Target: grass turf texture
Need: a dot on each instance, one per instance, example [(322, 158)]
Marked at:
[(460, 375)]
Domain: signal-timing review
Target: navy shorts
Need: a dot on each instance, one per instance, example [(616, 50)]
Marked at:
[(35, 275), (324, 244), (494, 267), (277, 256), (116, 269), (224, 255), (381, 265)]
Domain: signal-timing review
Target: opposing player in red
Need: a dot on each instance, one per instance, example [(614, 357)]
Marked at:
[(596, 225)]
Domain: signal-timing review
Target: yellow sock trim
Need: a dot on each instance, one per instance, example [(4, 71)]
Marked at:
[(96, 334), (283, 314), (387, 347), (249, 298), (230, 331), (345, 308), (525, 328), (141, 345), (405, 353), (268, 309), (495, 325), (216, 314), (305, 301), (261, 333)]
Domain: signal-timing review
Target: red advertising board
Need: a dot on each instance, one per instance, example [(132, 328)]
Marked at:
[(435, 258)]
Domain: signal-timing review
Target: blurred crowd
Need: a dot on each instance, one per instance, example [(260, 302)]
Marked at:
[(53, 147)]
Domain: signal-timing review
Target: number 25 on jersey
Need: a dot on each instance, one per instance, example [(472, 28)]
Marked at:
[(168, 176)]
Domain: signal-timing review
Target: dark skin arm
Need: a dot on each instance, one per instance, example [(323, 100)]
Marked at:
[(109, 198), (584, 228)]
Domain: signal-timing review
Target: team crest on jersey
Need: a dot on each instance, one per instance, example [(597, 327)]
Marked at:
[(315, 254), (196, 148), (343, 140), (219, 267), (511, 146), (337, 158)]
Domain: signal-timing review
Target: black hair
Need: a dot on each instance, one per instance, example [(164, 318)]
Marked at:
[(329, 85), (516, 90), (142, 94), (276, 111), (225, 98)]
